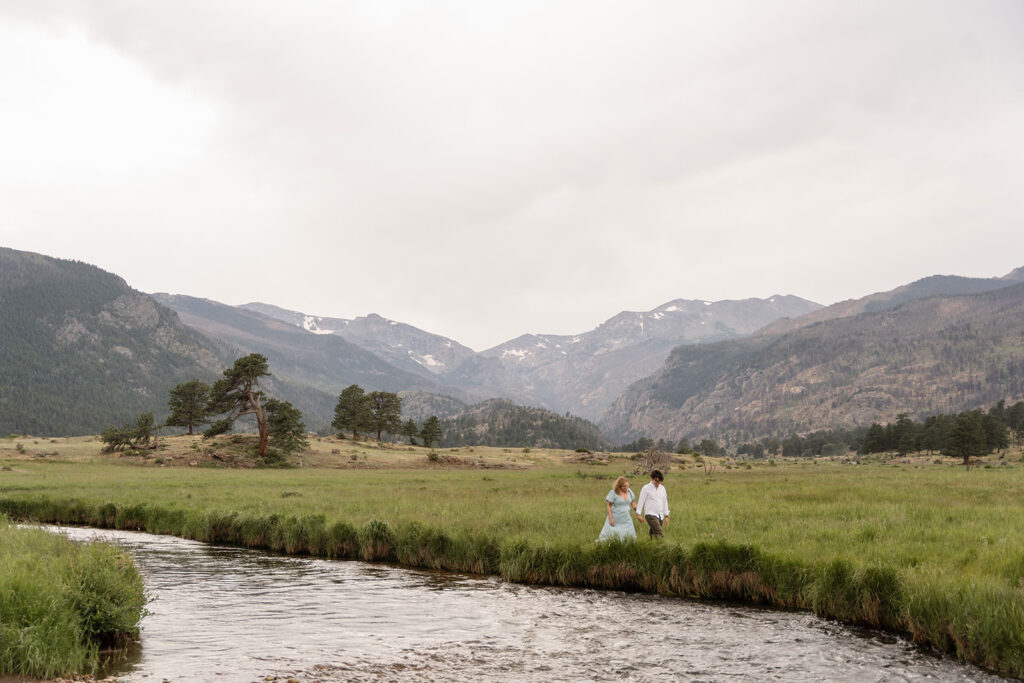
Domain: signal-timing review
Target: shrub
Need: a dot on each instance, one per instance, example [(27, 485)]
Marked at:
[(377, 542)]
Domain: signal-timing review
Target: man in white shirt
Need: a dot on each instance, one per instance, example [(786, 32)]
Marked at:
[(652, 506)]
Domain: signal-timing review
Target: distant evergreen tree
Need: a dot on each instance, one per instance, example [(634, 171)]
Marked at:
[(772, 445), (130, 435), (188, 405), (410, 430), (353, 411), (117, 438), (998, 410), (431, 431), (967, 437), (996, 436), (385, 412), (145, 425), (875, 441), (237, 394), (754, 450), (285, 427), (1015, 420), (640, 445), (935, 432), (709, 447), (904, 436)]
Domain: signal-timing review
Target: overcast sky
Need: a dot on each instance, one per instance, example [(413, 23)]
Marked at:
[(487, 169)]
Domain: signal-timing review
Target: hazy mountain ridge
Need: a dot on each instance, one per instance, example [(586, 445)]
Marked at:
[(934, 285), (404, 346), (581, 374), (325, 362), (1015, 275), (935, 354), (585, 373)]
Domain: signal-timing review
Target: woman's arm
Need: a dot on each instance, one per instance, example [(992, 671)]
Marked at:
[(611, 520)]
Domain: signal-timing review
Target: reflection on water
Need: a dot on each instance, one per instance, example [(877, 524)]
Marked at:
[(229, 614)]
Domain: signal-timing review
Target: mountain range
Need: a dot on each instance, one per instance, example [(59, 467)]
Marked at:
[(939, 353), (580, 374), (79, 350), (403, 346)]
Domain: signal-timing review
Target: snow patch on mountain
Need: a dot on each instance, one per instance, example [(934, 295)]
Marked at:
[(309, 324), (426, 360)]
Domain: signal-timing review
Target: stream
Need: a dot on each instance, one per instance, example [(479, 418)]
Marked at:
[(231, 614)]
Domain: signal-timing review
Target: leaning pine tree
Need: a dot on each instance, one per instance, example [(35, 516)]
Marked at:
[(237, 394)]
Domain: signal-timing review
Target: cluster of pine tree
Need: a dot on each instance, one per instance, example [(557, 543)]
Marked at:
[(381, 412), (707, 447), (963, 435), (236, 395), (826, 442)]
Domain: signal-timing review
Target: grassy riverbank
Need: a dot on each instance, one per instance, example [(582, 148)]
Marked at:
[(917, 547), (61, 602)]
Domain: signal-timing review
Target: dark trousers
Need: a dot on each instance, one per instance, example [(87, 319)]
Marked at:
[(654, 522)]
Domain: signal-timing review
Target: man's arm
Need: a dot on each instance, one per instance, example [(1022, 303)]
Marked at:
[(640, 502)]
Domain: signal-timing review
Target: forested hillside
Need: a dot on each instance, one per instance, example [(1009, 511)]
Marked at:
[(419, 405), (935, 355), (502, 423), (80, 349)]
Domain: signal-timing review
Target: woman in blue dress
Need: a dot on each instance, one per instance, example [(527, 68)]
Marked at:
[(618, 523)]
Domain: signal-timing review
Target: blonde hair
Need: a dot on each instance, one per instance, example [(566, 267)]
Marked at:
[(621, 484)]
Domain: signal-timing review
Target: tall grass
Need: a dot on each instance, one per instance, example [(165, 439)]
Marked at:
[(61, 602)]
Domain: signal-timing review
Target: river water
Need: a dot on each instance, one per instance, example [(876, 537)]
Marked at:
[(231, 614)]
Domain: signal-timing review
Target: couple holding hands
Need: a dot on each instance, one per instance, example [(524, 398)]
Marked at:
[(651, 507)]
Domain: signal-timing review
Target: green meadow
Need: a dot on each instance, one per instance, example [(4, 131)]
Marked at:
[(919, 547)]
